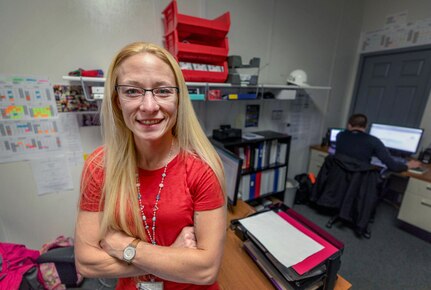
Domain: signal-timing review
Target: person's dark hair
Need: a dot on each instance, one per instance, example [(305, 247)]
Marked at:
[(358, 120)]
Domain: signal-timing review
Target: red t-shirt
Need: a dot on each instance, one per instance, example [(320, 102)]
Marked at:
[(190, 185)]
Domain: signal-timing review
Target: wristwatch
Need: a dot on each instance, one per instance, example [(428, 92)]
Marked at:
[(129, 252)]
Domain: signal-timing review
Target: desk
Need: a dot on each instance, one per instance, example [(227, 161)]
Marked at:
[(317, 157), (238, 270), (415, 208), (318, 154)]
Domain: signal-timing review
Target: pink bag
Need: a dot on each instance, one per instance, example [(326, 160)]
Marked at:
[(15, 261)]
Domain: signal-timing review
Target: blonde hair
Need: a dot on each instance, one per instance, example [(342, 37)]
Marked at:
[(119, 191)]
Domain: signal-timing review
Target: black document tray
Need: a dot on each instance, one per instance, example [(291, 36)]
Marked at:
[(322, 276)]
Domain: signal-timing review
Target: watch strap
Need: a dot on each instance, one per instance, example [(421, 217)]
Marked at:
[(134, 243)]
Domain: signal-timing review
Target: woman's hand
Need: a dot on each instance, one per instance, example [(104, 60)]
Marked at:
[(186, 239), (115, 242)]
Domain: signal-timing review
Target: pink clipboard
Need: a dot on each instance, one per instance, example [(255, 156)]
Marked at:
[(312, 261)]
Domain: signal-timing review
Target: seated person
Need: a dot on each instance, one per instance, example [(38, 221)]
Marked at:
[(358, 144)]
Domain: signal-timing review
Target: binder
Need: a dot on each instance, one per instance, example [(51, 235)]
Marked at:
[(257, 188), (281, 179), (245, 187), (260, 149), (282, 151), (252, 186), (257, 158), (276, 179), (273, 152), (247, 156)]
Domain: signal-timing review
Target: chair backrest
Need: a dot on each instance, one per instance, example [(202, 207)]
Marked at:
[(340, 174), (348, 186), (58, 267)]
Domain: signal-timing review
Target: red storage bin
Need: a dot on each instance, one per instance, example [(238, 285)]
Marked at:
[(206, 76), (190, 26), (197, 50), (197, 40)]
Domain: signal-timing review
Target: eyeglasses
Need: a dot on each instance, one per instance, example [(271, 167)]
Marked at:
[(131, 93)]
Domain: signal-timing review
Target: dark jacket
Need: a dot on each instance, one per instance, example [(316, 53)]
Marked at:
[(348, 185)]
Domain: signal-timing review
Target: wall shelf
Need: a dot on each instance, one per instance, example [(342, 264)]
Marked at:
[(262, 86), (84, 79), (259, 88), (293, 87), (203, 84)]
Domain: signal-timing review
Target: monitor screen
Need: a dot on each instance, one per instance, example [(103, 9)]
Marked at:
[(232, 171), (333, 132), (403, 140)]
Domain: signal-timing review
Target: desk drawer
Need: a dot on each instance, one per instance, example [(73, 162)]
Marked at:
[(318, 156), (419, 187), (416, 210), (314, 166)]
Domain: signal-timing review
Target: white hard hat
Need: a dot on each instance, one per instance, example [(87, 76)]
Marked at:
[(298, 77)]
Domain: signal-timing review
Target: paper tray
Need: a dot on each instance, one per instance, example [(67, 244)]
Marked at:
[(322, 260), (278, 279)]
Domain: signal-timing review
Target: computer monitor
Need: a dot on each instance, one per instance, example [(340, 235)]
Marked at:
[(232, 171), (333, 132), (402, 141)]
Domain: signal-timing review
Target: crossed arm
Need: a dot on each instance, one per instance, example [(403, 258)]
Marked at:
[(194, 257)]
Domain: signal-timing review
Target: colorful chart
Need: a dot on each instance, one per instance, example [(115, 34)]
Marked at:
[(41, 112), (28, 123), (13, 112), (28, 128)]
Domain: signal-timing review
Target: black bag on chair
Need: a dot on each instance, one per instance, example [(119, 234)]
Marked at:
[(304, 188)]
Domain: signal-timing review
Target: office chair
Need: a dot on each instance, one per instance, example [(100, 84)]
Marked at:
[(64, 260), (350, 188), (382, 191)]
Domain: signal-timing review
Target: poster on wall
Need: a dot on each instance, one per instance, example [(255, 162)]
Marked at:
[(52, 175), (29, 125), (397, 33), (252, 116)]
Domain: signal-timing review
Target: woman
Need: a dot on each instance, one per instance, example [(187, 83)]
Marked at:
[(152, 207)]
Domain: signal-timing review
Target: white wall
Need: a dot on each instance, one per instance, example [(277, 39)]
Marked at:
[(52, 37), (34, 220), (375, 11)]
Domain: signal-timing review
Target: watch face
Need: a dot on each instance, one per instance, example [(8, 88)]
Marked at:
[(129, 253)]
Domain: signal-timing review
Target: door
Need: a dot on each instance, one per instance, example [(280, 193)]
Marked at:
[(393, 87)]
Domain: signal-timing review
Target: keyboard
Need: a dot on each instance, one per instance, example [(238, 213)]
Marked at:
[(418, 170)]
